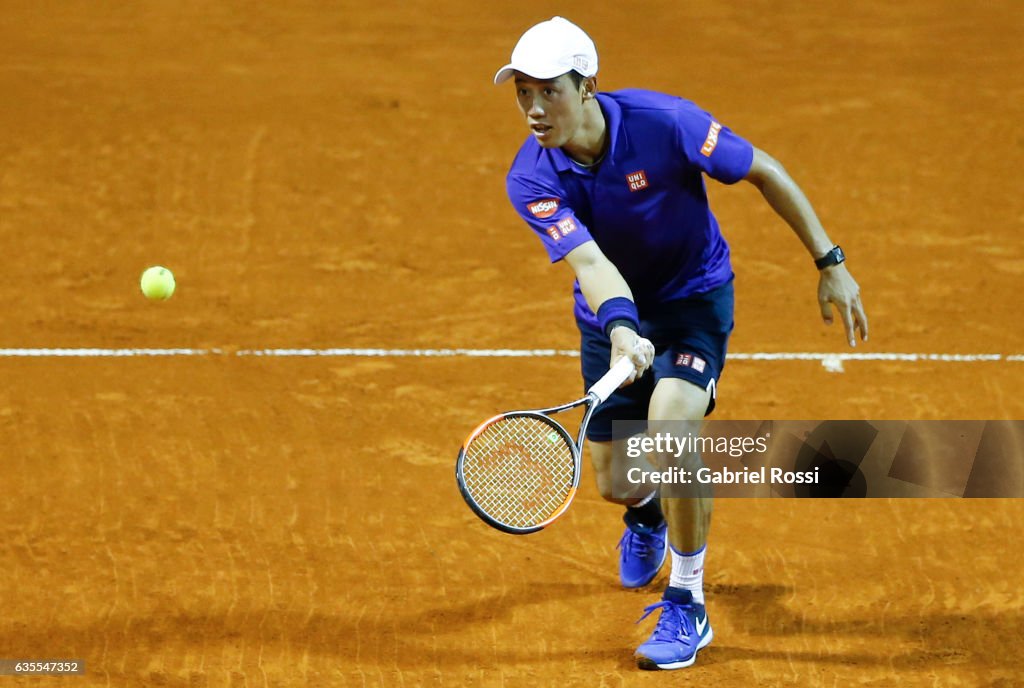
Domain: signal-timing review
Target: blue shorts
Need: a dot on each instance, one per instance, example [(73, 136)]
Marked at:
[(690, 337)]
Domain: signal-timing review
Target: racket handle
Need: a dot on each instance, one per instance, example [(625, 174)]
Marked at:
[(618, 374)]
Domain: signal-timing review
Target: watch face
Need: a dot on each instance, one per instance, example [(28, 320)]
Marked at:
[(833, 257)]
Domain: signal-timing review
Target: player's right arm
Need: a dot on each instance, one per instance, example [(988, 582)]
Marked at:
[(601, 282), (567, 239)]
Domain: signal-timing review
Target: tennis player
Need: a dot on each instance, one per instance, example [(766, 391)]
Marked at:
[(613, 184)]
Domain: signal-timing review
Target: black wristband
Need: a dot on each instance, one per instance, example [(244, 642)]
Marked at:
[(833, 257), (617, 323), (618, 308)]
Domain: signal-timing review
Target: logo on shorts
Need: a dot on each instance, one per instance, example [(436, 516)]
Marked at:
[(712, 140), (637, 180), (691, 361), (544, 209)]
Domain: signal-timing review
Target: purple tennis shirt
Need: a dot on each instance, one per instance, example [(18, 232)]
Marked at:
[(645, 205)]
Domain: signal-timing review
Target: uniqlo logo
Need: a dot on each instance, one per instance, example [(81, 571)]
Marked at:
[(691, 361), (553, 233), (637, 180), (711, 141), (567, 225)]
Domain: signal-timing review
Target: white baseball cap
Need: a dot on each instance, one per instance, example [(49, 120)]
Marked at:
[(551, 49)]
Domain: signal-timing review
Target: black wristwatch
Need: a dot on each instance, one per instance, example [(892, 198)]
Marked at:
[(833, 257)]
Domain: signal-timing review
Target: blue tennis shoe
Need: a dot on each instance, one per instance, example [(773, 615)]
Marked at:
[(682, 630), (642, 551)]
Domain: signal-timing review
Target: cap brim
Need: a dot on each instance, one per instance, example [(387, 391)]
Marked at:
[(504, 74), (509, 70)]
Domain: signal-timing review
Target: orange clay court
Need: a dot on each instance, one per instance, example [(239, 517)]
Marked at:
[(321, 175)]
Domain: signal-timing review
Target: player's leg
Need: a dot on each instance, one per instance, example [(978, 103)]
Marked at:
[(677, 407), (643, 547), (681, 404), (687, 373)]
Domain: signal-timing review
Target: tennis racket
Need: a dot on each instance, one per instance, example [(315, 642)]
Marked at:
[(519, 470)]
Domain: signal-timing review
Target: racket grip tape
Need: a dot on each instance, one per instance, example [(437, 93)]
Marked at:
[(611, 381)]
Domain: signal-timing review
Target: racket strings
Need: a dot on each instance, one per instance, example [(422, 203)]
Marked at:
[(519, 470)]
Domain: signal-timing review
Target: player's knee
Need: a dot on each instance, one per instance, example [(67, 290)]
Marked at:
[(600, 455), (609, 472), (680, 460), (677, 411), (676, 399), (612, 464), (601, 458)]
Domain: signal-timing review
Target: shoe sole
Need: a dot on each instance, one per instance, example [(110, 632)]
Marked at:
[(648, 664), (664, 556)]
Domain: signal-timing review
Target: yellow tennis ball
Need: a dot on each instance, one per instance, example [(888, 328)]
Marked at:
[(157, 283)]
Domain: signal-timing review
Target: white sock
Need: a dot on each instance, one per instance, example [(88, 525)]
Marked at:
[(688, 572), (645, 501)]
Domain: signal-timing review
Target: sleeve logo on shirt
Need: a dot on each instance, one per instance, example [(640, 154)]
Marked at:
[(637, 181), (562, 228), (543, 209), (712, 140), (691, 361)]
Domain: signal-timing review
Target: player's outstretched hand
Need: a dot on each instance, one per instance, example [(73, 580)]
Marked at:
[(836, 287), (626, 342)]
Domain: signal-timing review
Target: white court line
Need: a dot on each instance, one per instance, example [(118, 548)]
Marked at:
[(800, 356), (430, 353), (100, 353), (487, 353)]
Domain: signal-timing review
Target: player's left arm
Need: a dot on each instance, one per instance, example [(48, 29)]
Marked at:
[(836, 286)]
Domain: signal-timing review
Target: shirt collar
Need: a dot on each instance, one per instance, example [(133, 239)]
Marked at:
[(618, 142)]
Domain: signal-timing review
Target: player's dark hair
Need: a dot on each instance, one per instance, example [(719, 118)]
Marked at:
[(577, 78)]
